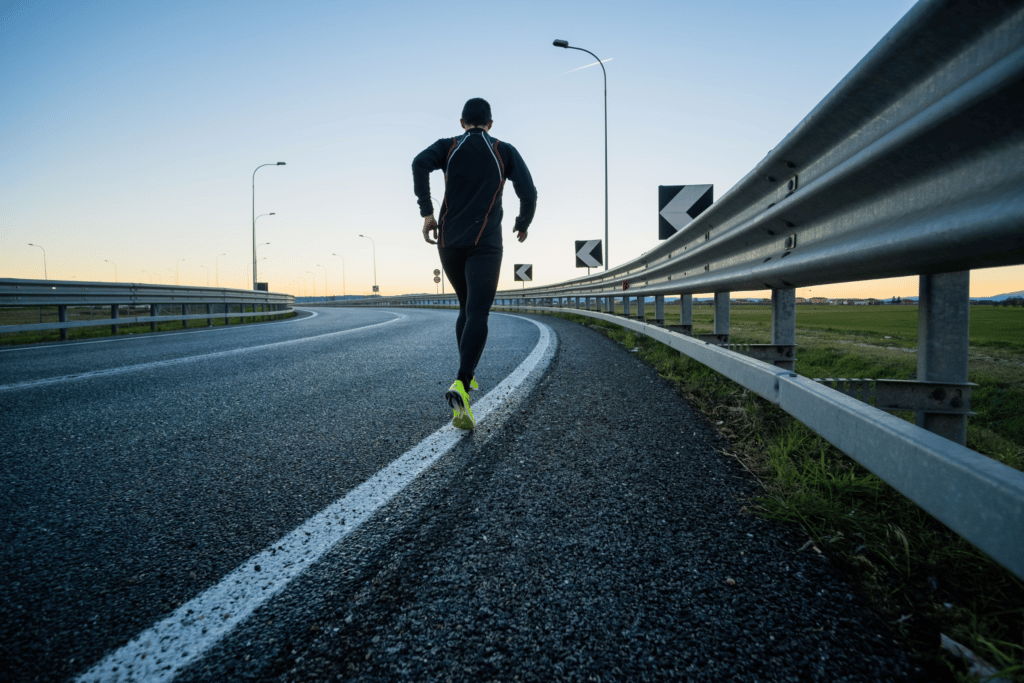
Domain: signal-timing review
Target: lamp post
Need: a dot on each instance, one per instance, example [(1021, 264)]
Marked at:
[(325, 278), (115, 268), (342, 273), (262, 245), (45, 277), (280, 163), (176, 270), (565, 44), (376, 290), (216, 265)]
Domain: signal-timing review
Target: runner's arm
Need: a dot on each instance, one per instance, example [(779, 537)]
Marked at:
[(522, 182), (430, 159)]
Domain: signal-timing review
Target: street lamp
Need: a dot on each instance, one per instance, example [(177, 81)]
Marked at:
[(45, 277), (565, 44), (376, 290), (280, 163), (176, 270), (262, 245), (115, 268), (325, 277), (342, 273), (216, 265)]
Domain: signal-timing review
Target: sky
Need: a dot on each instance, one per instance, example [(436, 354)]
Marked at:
[(130, 131)]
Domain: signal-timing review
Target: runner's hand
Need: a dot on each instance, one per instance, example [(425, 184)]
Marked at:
[(521, 236), (430, 226)]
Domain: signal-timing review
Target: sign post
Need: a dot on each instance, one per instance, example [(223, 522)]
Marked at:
[(588, 254), (680, 204), (523, 273)]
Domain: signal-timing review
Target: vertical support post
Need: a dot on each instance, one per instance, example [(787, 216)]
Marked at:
[(153, 310), (62, 316), (784, 321), (227, 310), (721, 312), (209, 312), (184, 311), (625, 306), (659, 309), (115, 313), (640, 307), (686, 312), (943, 326)]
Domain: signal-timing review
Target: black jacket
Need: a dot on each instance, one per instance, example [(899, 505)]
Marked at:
[(475, 168)]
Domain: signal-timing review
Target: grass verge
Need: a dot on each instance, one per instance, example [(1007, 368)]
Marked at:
[(100, 331), (917, 576)]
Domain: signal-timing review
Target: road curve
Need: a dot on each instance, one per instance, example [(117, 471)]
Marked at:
[(589, 530)]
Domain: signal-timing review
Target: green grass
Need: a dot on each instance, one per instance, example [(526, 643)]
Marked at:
[(34, 314), (995, 327), (918, 577)]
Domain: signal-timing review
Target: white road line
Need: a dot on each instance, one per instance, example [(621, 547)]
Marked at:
[(187, 359), (160, 653), (158, 335)]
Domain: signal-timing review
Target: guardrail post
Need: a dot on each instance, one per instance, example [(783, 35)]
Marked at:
[(659, 309), (641, 301), (784, 321), (154, 310), (209, 312), (227, 310), (115, 313), (625, 306), (184, 311), (62, 316), (721, 312), (943, 328)]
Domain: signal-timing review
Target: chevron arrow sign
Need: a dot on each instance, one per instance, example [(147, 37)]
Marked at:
[(680, 204), (524, 272), (588, 253)]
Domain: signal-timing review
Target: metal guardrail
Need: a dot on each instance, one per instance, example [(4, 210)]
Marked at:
[(218, 303), (912, 165)]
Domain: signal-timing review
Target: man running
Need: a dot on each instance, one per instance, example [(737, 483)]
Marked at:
[(468, 234)]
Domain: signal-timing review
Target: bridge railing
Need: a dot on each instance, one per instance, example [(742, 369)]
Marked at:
[(214, 303), (912, 165)]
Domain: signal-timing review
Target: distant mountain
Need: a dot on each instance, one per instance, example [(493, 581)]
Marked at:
[(1002, 297)]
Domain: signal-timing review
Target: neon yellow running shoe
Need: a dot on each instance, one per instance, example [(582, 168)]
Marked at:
[(458, 399), (473, 384)]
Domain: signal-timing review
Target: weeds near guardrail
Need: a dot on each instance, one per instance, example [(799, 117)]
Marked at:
[(915, 574)]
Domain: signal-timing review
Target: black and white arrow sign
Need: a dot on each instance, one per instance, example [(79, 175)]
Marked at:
[(680, 204), (524, 272), (588, 253)]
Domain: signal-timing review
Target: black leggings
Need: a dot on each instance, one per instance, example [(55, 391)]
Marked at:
[(473, 272)]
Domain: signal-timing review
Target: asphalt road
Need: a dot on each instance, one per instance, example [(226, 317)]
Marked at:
[(587, 530)]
